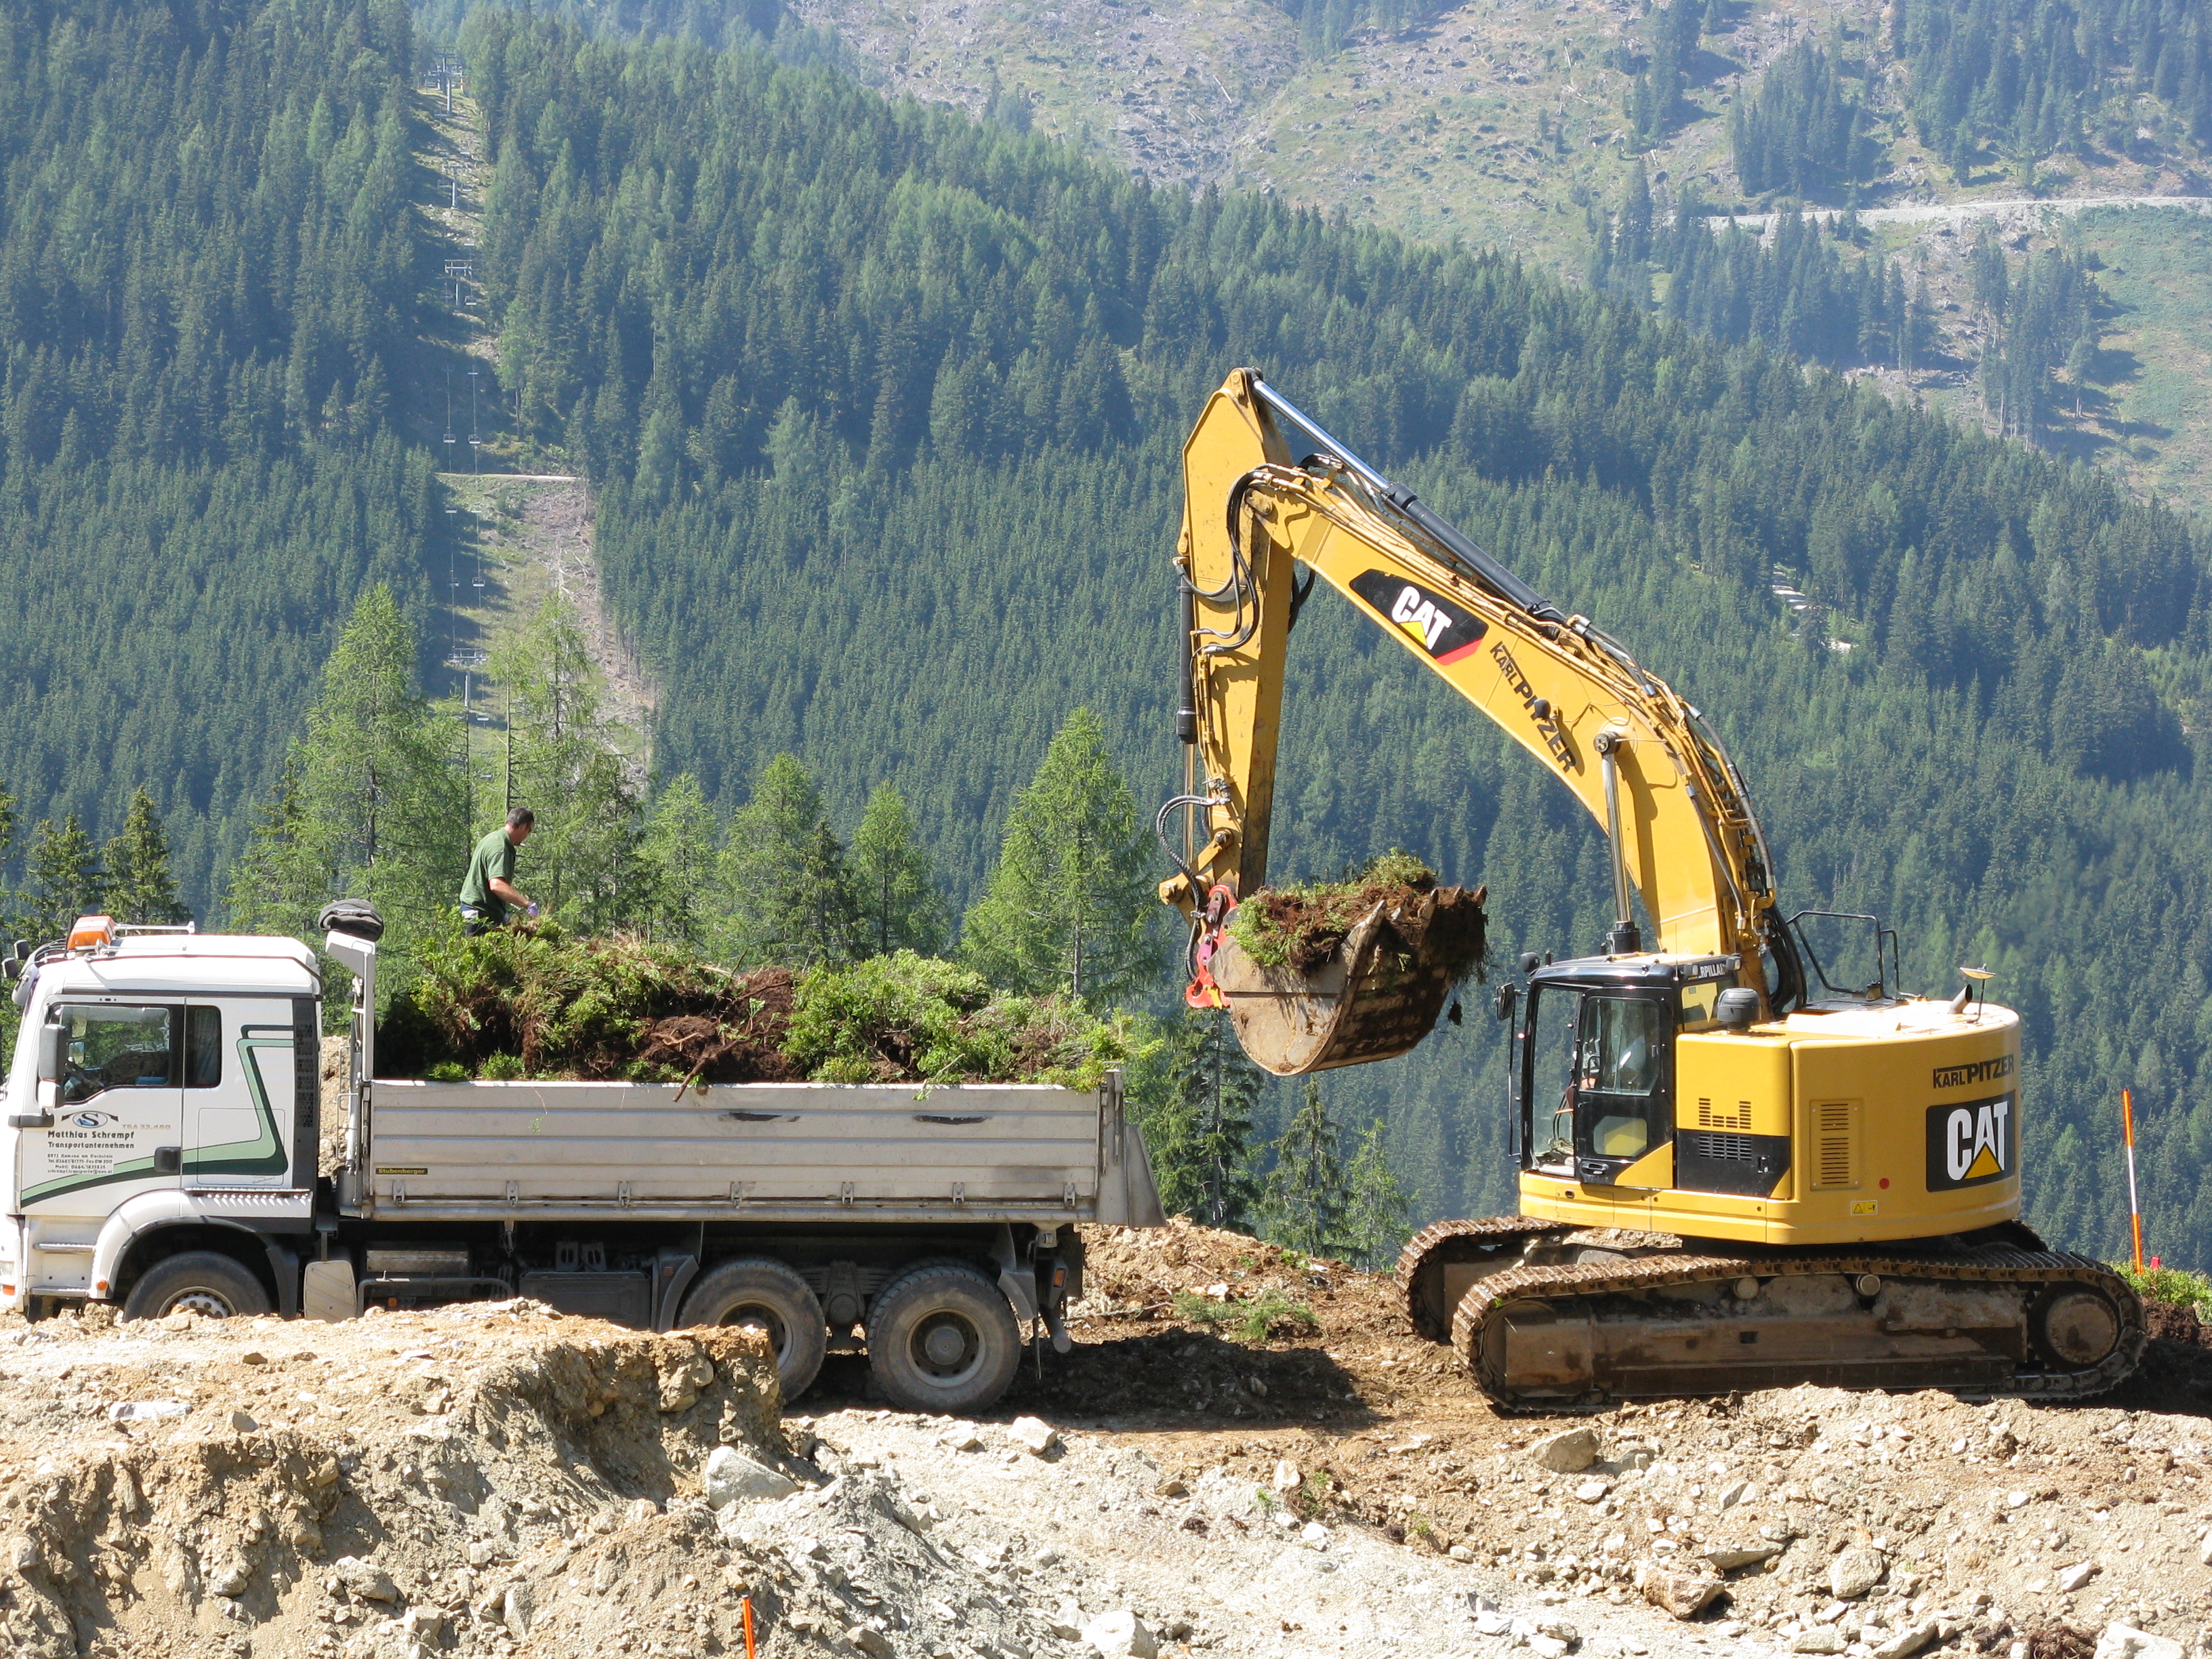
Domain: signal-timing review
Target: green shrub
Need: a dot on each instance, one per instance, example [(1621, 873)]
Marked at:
[(905, 1017), (1262, 1318), (2178, 1285)]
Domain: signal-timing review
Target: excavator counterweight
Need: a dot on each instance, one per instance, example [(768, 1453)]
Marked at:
[(1741, 1166)]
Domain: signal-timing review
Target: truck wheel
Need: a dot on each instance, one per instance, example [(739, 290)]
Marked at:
[(771, 1297), (200, 1281), (942, 1339)]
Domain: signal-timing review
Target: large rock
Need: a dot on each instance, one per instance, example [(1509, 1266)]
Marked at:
[(1685, 1594), (1568, 1452), (1857, 1570), (1033, 1435), (1728, 1557), (1908, 1641), (731, 1477), (1120, 1635), (1821, 1639), (365, 1579), (2125, 1642)]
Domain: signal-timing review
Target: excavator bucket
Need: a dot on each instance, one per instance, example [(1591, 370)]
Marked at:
[(1375, 997)]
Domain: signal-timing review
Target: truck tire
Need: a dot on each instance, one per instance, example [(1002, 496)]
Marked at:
[(942, 1339), (204, 1282), (770, 1297)]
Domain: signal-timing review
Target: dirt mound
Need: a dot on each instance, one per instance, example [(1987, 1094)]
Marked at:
[(1303, 928)]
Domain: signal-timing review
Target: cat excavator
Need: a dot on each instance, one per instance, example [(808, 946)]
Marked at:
[(1741, 1166)]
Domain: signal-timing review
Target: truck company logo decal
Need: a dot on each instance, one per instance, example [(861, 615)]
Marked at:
[(1970, 1145), (90, 1120), (1437, 626), (1982, 1071)]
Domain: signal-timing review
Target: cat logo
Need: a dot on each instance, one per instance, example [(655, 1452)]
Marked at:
[(1439, 627), (1969, 1146)]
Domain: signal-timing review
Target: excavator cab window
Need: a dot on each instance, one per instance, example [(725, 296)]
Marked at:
[(1598, 1077)]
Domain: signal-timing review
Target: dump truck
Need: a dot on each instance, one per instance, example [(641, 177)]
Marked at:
[(164, 1135)]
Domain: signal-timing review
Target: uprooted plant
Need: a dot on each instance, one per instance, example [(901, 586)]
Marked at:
[(1303, 927)]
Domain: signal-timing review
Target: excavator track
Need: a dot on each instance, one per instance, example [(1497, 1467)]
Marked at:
[(1487, 1243), (1585, 1335)]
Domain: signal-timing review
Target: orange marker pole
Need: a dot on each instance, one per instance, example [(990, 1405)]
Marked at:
[(2135, 1212), (745, 1605)]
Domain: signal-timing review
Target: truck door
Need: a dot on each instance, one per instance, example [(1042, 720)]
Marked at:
[(118, 1110), (1610, 1121), (239, 1078)]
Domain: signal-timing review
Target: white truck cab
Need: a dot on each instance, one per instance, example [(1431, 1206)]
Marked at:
[(164, 1084)]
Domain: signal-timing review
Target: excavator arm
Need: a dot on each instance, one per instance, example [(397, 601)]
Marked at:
[(1266, 491)]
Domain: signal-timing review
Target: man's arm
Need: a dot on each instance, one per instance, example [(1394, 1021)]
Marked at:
[(507, 893)]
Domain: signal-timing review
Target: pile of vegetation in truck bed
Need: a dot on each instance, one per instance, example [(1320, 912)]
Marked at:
[(535, 1002), (1302, 928)]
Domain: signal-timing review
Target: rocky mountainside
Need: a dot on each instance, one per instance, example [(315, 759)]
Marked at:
[(497, 1479)]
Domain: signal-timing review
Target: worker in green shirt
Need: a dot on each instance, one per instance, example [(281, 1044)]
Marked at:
[(491, 890)]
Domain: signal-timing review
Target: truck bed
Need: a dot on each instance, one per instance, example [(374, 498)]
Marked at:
[(763, 1151)]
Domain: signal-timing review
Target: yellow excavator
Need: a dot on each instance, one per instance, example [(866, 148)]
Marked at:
[(1734, 1173)]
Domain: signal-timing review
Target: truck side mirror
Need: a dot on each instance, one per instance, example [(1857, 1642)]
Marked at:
[(1509, 999), (51, 1038)]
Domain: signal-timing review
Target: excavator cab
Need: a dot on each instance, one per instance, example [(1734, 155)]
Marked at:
[(1593, 1064)]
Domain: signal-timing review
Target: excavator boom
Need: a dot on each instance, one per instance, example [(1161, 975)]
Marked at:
[(1636, 755)]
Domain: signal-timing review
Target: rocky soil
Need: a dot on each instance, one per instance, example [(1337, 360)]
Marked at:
[(498, 1479)]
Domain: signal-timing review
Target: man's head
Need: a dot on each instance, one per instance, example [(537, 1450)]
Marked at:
[(520, 822)]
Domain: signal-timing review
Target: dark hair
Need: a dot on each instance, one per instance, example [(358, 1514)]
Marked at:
[(518, 816)]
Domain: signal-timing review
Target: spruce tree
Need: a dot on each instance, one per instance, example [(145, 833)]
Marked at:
[(1217, 1090), (1302, 1199), (901, 906), (676, 861), (788, 888), (1377, 1210), (1070, 906), (62, 879), (139, 885)]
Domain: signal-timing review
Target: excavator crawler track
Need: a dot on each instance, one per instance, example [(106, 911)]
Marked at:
[(1487, 1244), (1586, 1336)]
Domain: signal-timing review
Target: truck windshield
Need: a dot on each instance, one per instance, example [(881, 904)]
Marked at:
[(108, 1048)]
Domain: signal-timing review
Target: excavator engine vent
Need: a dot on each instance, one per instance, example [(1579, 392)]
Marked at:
[(1836, 1145), (1738, 1120)]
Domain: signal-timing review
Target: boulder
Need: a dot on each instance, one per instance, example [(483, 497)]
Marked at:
[(731, 1477), (365, 1579), (1033, 1435), (1120, 1635), (2072, 1578), (1908, 1641), (2125, 1642), (1821, 1639), (1726, 1557), (1855, 1571), (1685, 1594), (1568, 1452)]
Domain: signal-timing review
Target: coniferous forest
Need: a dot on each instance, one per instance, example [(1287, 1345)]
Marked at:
[(881, 409)]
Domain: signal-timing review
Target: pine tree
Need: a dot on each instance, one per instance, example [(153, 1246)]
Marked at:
[(1302, 1199), (1070, 906), (62, 879), (901, 907), (139, 885), (1193, 1094), (1377, 1210), (676, 862), (371, 803), (788, 888), (563, 763)]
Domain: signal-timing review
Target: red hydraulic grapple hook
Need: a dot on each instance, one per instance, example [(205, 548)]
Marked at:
[(1202, 992)]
